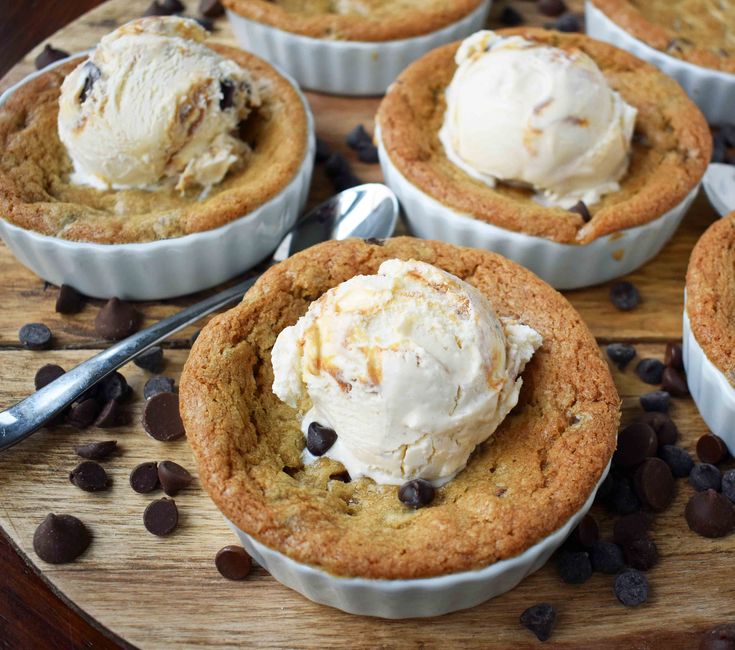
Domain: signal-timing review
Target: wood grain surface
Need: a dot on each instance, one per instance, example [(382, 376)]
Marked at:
[(165, 592)]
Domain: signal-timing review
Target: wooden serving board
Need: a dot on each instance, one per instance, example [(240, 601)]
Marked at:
[(165, 592)]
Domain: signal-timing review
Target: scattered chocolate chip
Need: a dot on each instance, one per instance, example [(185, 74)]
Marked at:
[(631, 588), (631, 528), (711, 449), (227, 89), (641, 554), (654, 484), (710, 514), (92, 76), (339, 172), (721, 637), (587, 531), (116, 320), (323, 151), (113, 387), (621, 354), (144, 478), (111, 415), (622, 499), (69, 300), (719, 150), (678, 460), (35, 336), (156, 385), (624, 296), (60, 539), (674, 356), (161, 417), (511, 17), (551, 7), (416, 493), (319, 439), (84, 413), (358, 138), (650, 371), (606, 557), (151, 360), (206, 23), (233, 562), (368, 154), (574, 567), (674, 382), (173, 477), (155, 9), (46, 374), (665, 428), (581, 209), (727, 131), (173, 6), (96, 450), (161, 517), (48, 55), (728, 484), (89, 476), (211, 8), (656, 401), (539, 619), (636, 442), (705, 476), (568, 23)]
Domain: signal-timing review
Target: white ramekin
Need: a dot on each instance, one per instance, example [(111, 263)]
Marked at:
[(168, 267), (712, 90), (719, 185), (713, 394), (563, 266), (420, 597), (347, 67)]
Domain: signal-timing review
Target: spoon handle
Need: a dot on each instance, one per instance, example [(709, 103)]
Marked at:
[(21, 420)]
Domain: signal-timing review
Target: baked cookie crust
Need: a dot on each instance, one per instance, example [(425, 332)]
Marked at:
[(671, 148), (711, 294), (534, 473), (701, 32), (356, 20), (34, 169)]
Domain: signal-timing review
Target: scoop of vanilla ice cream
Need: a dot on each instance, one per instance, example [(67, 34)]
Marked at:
[(527, 113), (411, 367), (153, 104)]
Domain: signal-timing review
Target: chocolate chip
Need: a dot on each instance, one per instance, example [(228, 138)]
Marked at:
[(624, 296), (48, 56), (233, 562), (539, 619), (111, 416), (568, 23), (358, 138), (654, 484), (161, 417), (587, 531), (606, 557), (631, 528), (206, 23), (156, 385), (711, 449), (35, 336), (416, 493), (116, 320), (84, 413), (721, 637), (339, 172), (96, 450), (211, 8), (581, 209), (631, 588), (678, 460), (621, 354), (113, 387), (161, 517), (636, 442), (173, 477), (650, 371), (144, 478), (60, 539), (227, 90), (728, 134), (319, 439), (173, 6), (551, 7), (151, 360), (674, 356), (710, 514), (92, 75), (368, 154), (510, 17), (323, 151), (641, 554), (719, 149), (705, 476), (69, 300), (46, 374), (574, 567), (656, 401), (674, 382), (155, 9), (89, 476), (622, 499), (665, 428), (728, 484)]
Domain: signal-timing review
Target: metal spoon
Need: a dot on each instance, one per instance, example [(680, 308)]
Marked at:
[(365, 211)]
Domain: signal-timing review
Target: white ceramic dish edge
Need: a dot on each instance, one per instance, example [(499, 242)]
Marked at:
[(710, 389), (719, 185), (712, 90), (564, 266), (354, 68), (420, 597), (169, 267)]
